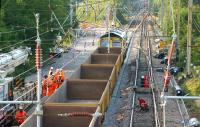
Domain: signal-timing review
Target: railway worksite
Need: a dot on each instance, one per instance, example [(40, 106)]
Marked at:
[(97, 63)]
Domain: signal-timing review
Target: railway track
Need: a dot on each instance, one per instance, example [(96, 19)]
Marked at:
[(141, 118), (184, 116), (176, 111), (123, 110), (119, 110)]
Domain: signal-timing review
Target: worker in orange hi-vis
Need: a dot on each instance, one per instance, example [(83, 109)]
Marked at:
[(60, 79), (62, 74), (50, 72), (50, 85), (56, 74), (55, 84), (20, 115), (44, 85)]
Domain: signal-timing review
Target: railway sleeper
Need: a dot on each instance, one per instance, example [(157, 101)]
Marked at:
[(143, 68), (143, 90)]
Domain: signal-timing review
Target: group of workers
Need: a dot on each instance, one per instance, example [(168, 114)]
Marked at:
[(52, 81)]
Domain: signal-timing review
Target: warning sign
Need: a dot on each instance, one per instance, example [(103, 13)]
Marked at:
[(162, 44)]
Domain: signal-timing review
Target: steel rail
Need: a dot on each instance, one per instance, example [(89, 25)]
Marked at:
[(186, 111), (134, 94), (136, 77), (150, 70), (173, 83), (94, 118), (180, 111), (152, 81)]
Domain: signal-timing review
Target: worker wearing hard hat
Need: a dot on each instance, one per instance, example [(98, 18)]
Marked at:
[(60, 78), (62, 74), (50, 72), (56, 76), (54, 79), (50, 85), (44, 85), (20, 115)]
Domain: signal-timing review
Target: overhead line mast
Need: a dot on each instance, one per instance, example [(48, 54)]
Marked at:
[(189, 37), (39, 72)]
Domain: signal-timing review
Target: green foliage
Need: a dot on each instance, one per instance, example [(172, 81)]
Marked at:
[(19, 15), (193, 86), (167, 28), (96, 13)]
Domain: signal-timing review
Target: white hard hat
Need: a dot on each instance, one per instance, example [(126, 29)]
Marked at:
[(20, 107), (51, 68)]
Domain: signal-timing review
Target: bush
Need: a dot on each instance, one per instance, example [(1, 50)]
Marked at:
[(193, 86)]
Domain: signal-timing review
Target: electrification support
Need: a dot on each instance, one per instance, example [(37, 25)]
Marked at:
[(86, 7), (164, 119), (162, 13), (183, 97), (18, 102), (38, 65), (166, 18), (108, 28), (189, 39), (178, 30), (164, 101), (76, 7), (61, 27), (114, 17), (71, 13)]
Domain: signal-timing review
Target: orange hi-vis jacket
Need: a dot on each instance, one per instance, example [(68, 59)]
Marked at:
[(20, 116), (44, 87), (56, 76), (59, 80), (50, 87), (63, 75), (55, 84)]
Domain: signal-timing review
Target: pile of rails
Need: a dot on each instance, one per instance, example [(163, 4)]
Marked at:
[(85, 93)]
